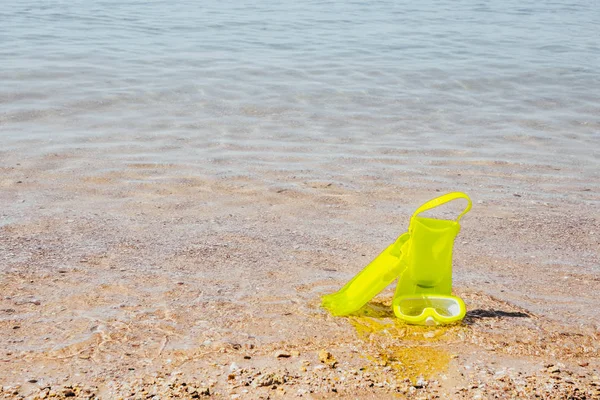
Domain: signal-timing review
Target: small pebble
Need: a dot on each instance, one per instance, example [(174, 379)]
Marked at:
[(327, 358), (421, 383)]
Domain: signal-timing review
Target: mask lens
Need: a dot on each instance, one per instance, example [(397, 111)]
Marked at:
[(412, 307), (445, 307)]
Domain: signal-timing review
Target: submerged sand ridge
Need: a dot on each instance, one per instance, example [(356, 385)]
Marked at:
[(131, 279)]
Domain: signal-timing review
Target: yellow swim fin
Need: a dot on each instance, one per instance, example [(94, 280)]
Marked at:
[(426, 282), (375, 277)]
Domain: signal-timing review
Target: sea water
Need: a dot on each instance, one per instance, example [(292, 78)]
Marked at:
[(251, 86)]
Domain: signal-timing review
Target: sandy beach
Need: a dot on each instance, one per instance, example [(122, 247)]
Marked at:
[(148, 280), (181, 182)]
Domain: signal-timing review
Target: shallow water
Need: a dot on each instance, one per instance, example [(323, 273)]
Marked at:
[(348, 88)]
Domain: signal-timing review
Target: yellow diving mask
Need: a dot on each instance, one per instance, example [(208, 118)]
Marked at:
[(429, 309)]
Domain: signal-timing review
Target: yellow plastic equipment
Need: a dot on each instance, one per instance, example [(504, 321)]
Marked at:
[(375, 277), (428, 272), (429, 309), (422, 258)]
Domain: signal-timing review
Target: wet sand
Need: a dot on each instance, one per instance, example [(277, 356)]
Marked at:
[(127, 278)]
